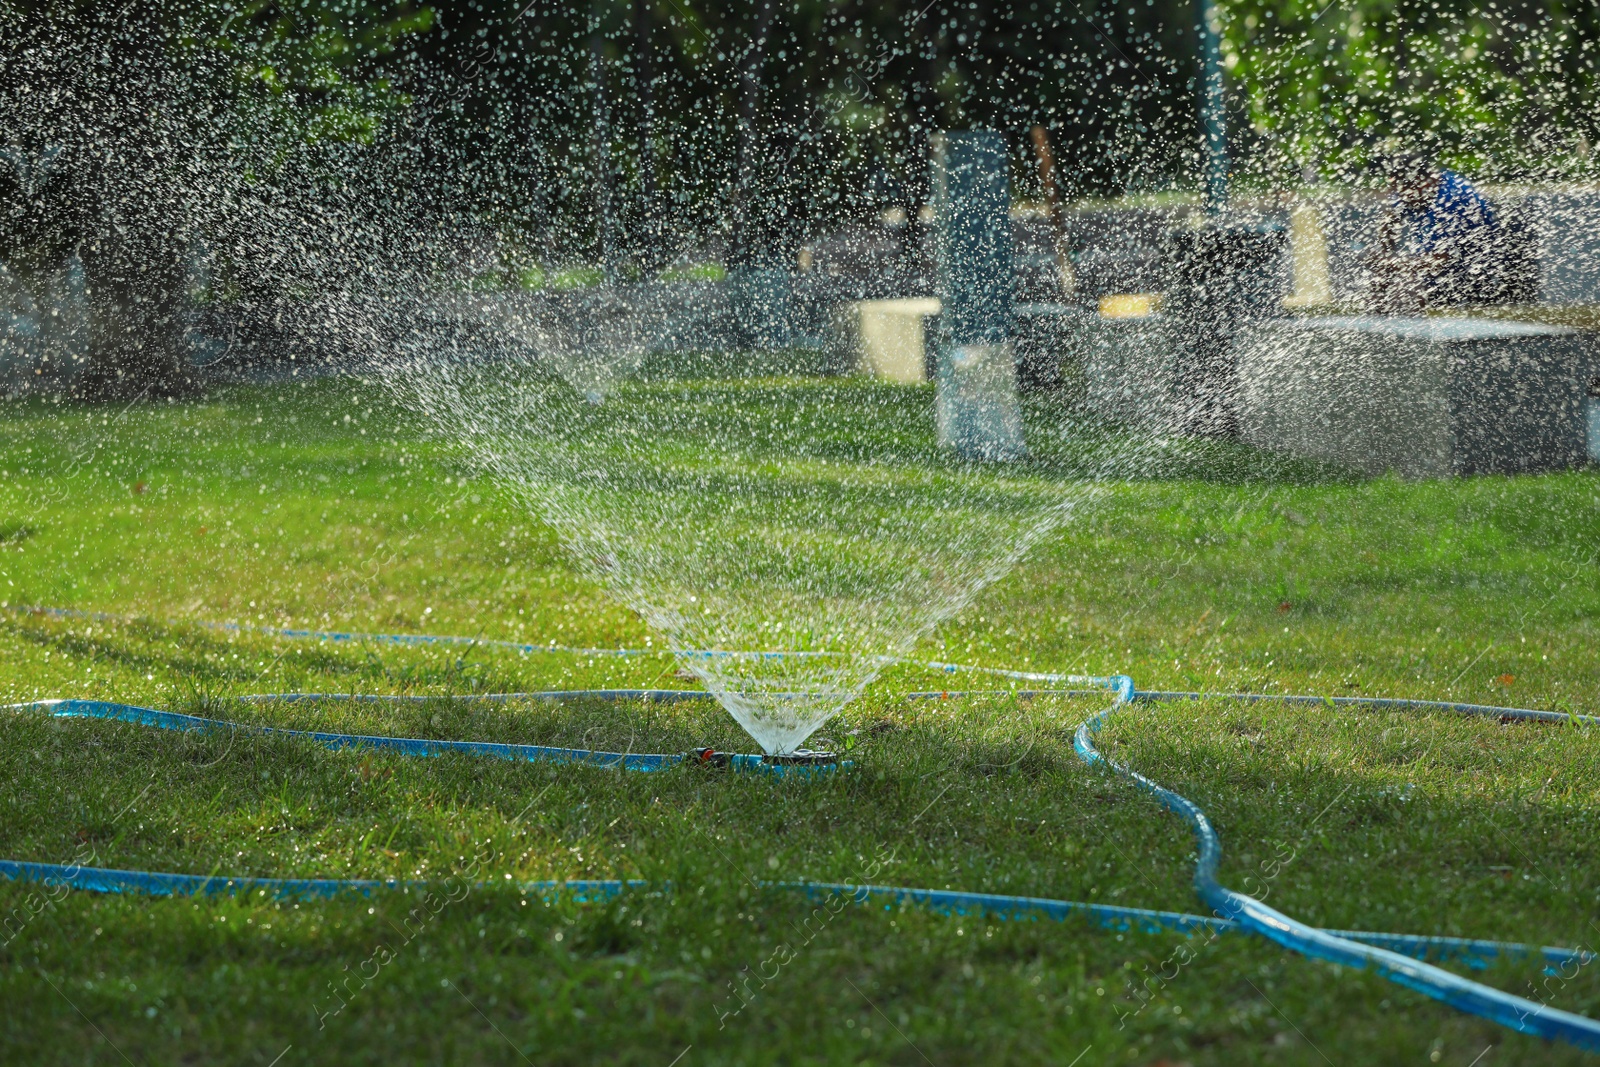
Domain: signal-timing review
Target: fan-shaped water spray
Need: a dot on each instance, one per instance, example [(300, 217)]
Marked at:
[(593, 338), (785, 539), (524, 222)]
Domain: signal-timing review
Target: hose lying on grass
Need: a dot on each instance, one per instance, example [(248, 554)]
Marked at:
[(1400, 958), (1474, 998)]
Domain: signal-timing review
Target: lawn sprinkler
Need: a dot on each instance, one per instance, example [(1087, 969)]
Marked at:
[(803, 761), (1402, 958)]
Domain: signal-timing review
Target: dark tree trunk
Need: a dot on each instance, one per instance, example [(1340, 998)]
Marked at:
[(752, 235), (647, 241), (94, 173)]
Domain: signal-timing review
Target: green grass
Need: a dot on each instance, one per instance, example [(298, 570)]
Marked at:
[(318, 506)]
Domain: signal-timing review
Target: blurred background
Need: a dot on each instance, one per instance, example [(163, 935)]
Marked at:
[(187, 185)]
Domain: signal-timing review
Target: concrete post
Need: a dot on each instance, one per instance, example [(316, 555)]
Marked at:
[(1591, 418), (978, 412), (1308, 245)]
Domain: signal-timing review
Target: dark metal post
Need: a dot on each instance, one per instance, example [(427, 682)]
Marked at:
[(1213, 108), (647, 241)]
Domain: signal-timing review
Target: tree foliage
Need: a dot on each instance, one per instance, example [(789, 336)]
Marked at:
[(135, 134), (1502, 88)]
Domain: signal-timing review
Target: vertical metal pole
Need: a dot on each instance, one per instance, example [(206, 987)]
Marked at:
[(647, 240), (605, 238), (977, 408), (1213, 105)]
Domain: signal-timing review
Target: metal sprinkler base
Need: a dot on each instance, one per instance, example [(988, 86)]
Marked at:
[(801, 761)]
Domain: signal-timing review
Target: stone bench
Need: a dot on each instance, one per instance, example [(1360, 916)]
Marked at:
[(1424, 397)]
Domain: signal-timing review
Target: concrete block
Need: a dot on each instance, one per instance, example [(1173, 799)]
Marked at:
[(976, 407), (1130, 367), (1308, 249), (1424, 397), (1591, 413), (973, 240), (891, 337), (763, 299), (1566, 230), (978, 412)]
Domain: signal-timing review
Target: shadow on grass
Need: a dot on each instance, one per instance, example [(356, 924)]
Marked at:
[(202, 662)]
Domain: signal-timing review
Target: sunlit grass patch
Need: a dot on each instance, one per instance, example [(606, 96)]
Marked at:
[(1225, 570)]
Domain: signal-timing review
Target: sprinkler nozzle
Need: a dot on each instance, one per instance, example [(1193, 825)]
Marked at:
[(800, 757), (804, 757)]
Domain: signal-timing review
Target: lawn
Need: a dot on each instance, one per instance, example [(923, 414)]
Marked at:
[(321, 505)]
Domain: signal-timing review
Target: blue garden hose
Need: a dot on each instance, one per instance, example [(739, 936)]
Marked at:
[(415, 746), (1513, 1012), (1397, 957), (1473, 952)]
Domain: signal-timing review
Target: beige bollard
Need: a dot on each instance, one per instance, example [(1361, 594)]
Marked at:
[(1308, 242), (891, 337)]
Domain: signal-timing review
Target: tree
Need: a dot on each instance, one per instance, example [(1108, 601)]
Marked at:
[(789, 117), (135, 132), (1504, 88)]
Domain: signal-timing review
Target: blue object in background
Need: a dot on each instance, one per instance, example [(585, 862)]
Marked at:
[(972, 208), (978, 412), (1213, 108)]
